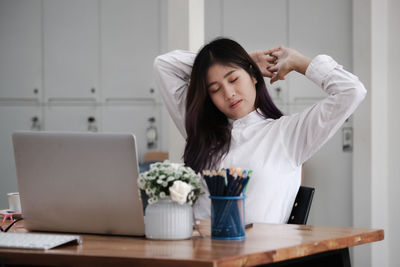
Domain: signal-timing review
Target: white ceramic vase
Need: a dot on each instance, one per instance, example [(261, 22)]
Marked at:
[(168, 220)]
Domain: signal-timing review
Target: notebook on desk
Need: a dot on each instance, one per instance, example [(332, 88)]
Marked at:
[(79, 182)]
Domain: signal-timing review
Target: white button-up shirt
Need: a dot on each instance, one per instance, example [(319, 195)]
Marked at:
[(273, 149)]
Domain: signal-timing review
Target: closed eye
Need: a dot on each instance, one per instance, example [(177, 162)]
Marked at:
[(215, 90), (234, 80)]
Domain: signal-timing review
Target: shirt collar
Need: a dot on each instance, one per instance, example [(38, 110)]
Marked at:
[(250, 118)]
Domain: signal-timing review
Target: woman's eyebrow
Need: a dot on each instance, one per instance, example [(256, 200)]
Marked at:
[(226, 75), (229, 73)]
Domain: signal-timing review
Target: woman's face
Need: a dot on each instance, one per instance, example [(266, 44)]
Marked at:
[(232, 90)]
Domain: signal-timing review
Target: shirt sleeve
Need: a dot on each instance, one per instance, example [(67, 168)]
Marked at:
[(172, 73), (304, 133)]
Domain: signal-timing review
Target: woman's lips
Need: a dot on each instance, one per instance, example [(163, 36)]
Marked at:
[(235, 104)]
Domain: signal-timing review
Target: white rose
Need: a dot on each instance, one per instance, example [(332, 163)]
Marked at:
[(179, 191)]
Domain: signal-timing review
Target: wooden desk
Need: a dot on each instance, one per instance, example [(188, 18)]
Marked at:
[(265, 243)]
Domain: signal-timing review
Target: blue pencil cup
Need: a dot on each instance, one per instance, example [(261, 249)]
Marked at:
[(227, 217)]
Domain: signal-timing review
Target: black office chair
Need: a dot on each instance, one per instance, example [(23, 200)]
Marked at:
[(302, 205)]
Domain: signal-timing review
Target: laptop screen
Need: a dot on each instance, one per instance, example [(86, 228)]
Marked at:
[(79, 182)]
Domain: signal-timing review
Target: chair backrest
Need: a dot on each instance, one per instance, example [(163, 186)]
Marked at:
[(155, 156), (152, 157), (302, 205)]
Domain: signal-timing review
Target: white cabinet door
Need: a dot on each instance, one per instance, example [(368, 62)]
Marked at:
[(250, 23), (13, 118), (71, 49), (130, 41), (72, 118), (20, 49), (319, 27), (134, 119), (256, 25)]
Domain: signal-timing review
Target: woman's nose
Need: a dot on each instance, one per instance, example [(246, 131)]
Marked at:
[(229, 92)]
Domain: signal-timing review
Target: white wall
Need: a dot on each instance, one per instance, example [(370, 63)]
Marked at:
[(362, 133), (394, 130), (185, 31), (379, 128), (375, 167)]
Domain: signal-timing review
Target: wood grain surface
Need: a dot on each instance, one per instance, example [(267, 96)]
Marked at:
[(264, 243)]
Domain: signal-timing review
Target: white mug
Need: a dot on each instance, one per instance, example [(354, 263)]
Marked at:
[(14, 203)]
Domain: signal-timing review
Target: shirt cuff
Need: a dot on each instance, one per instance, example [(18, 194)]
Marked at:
[(319, 69)]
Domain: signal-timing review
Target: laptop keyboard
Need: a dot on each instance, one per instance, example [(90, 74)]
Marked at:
[(36, 241)]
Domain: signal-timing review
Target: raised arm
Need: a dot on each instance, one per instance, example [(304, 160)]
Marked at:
[(277, 62), (172, 73), (304, 133)]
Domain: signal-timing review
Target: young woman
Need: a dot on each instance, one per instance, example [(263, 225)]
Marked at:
[(219, 102)]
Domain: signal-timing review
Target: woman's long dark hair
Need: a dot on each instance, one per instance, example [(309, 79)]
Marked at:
[(208, 129)]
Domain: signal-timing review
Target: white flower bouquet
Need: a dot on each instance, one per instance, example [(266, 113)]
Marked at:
[(165, 179)]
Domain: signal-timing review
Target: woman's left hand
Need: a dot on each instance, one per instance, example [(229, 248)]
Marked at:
[(264, 61), (286, 60)]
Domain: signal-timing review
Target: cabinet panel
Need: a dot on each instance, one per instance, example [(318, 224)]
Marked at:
[(20, 53), (326, 29), (133, 119), (72, 118), (71, 49), (130, 40), (13, 118), (249, 23)]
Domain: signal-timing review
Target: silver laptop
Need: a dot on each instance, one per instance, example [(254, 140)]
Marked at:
[(79, 182)]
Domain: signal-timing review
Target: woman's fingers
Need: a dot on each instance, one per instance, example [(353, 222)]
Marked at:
[(278, 59), (276, 77), (278, 72), (277, 54), (270, 59), (273, 79), (274, 68), (267, 73), (271, 62), (269, 51), (263, 62)]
